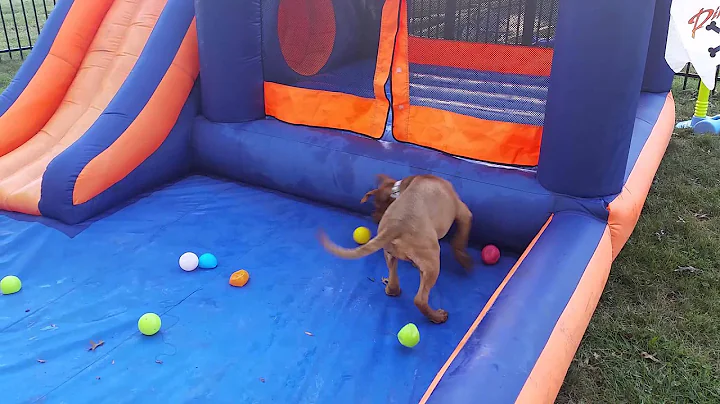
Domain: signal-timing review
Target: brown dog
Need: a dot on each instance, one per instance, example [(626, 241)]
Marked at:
[(414, 214)]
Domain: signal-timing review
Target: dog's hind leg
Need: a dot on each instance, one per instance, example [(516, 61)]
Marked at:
[(429, 271), (393, 286), (463, 219)]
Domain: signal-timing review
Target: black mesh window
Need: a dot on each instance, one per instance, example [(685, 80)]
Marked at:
[(509, 22), (328, 45), (486, 76)]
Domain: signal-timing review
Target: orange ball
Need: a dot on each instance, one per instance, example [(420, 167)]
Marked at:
[(239, 278)]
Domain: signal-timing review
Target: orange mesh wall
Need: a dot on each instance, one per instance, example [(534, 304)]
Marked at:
[(464, 84)]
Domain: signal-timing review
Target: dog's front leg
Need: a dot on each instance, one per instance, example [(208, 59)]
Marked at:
[(393, 286)]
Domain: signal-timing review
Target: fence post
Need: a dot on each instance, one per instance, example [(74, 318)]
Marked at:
[(529, 14)]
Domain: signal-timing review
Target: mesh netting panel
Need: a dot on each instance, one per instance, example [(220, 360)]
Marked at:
[(465, 57), (328, 45), (509, 22)]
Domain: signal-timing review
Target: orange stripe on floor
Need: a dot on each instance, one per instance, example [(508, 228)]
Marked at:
[(482, 315), (546, 377), (149, 129)]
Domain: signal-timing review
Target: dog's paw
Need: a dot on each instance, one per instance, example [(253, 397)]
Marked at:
[(392, 292), (464, 259), (439, 316)]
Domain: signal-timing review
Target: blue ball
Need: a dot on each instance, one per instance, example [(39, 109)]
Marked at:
[(207, 261)]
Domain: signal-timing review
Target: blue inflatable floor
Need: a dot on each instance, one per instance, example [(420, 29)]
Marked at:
[(308, 327)]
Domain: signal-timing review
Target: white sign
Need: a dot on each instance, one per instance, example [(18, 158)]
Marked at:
[(694, 36)]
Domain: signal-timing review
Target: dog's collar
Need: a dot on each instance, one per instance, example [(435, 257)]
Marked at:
[(395, 190)]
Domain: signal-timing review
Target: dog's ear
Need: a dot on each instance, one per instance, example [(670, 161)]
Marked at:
[(368, 195), (383, 179)]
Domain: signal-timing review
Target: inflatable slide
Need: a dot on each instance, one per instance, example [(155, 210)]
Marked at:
[(139, 130), (99, 94)]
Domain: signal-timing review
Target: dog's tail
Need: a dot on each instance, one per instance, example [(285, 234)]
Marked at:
[(364, 250)]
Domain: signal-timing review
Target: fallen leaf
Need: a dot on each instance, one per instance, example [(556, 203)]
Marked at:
[(371, 279), (262, 380), (689, 268), (701, 216), (158, 361), (308, 333), (646, 355), (41, 360), (94, 345), (27, 310)]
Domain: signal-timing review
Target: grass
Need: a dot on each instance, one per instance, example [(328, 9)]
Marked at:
[(8, 68), (655, 337), (20, 25)]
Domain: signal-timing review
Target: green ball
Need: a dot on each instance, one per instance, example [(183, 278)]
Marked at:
[(10, 284), (149, 324), (409, 335)]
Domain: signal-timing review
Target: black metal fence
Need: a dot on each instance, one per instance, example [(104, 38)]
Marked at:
[(512, 22), (21, 22), (688, 74)]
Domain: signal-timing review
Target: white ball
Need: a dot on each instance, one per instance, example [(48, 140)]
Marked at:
[(189, 261)]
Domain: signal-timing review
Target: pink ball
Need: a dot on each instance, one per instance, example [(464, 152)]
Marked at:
[(490, 255)]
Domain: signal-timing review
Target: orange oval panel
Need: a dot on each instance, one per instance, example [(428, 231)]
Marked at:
[(306, 30)]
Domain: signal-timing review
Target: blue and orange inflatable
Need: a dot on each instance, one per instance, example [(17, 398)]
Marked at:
[(138, 130)]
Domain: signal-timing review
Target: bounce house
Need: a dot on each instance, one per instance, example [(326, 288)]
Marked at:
[(138, 130)]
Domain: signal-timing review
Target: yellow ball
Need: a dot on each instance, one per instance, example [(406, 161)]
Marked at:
[(362, 235), (409, 335), (149, 324), (10, 284)]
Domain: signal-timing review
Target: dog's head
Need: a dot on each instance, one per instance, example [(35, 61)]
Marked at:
[(382, 196)]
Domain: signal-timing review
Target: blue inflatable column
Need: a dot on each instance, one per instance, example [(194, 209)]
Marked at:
[(658, 75), (595, 83), (231, 73)]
